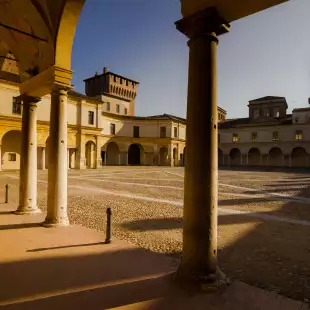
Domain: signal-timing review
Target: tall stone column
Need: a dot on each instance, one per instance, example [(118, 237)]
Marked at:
[(170, 155), (98, 163), (43, 158), (199, 264), (28, 159), (57, 195), (68, 156)]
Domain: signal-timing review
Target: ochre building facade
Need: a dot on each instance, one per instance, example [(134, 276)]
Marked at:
[(103, 128)]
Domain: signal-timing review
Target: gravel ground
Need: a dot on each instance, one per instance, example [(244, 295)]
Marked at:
[(269, 254)]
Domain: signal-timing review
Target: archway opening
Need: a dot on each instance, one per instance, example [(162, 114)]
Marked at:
[(299, 157), (90, 154), (163, 156), (235, 157), (112, 154), (134, 154), (11, 146), (275, 157), (254, 157), (220, 157)]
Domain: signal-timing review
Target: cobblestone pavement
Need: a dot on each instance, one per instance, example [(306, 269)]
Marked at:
[(264, 217)]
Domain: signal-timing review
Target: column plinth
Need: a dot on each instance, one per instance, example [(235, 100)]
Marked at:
[(28, 159), (57, 195), (199, 265)]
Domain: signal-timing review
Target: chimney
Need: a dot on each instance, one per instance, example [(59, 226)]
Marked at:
[(105, 70)]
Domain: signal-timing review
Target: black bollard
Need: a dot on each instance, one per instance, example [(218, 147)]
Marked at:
[(6, 193), (108, 231)]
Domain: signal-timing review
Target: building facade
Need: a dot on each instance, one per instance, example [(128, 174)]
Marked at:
[(103, 128)]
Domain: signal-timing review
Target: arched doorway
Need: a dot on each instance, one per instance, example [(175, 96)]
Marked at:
[(175, 157), (254, 157), (112, 154), (299, 157), (90, 154), (135, 154), (235, 157), (275, 158), (220, 157), (163, 156), (11, 145)]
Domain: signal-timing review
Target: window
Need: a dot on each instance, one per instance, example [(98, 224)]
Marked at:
[(117, 108), (175, 129), (125, 111), (136, 131), (275, 136), (276, 112), (17, 106), (266, 112), (256, 113), (108, 106), (91, 117), (298, 135), (12, 156), (163, 132), (254, 136), (112, 129), (235, 137)]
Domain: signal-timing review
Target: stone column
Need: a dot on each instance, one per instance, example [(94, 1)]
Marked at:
[(199, 259), (98, 163), (68, 158), (170, 155), (28, 159), (43, 159), (57, 195)]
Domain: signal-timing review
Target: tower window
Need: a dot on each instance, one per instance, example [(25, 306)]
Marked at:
[(108, 106), (298, 135), (91, 117), (17, 106), (163, 132), (256, 113), (254, 136), (136, 131), (235, 137), (275, 136), (125, 111), (117, 108), (112, 129)]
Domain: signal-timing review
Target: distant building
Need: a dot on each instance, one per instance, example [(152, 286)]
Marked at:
[(103, 128)]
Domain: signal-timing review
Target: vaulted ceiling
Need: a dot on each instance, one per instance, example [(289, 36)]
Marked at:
[(33, 30)]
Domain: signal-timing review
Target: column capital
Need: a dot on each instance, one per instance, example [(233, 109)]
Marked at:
[(62, 89), (26, 99), (207, 21)]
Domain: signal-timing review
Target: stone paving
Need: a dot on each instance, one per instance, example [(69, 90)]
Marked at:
[(264, 218)]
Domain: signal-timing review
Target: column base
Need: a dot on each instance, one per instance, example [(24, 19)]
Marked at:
[(25, 211), (203, 283), (53, 223)]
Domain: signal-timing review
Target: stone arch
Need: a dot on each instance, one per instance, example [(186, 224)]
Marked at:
[(90, 154), (163, 156), (235, 157), (254, 157), (220, 157), (66, 30), (275, 157), (112, 154), (299, 157), (135, 154), (11, 146)]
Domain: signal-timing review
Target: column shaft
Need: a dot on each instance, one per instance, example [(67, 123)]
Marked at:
[(199, 259), (43, 158), (28, 160), (57, 162)]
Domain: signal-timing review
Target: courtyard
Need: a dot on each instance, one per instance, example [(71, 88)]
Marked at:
[(264, 217)]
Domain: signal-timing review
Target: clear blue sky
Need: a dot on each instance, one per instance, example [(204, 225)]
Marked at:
[(265, 54)]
